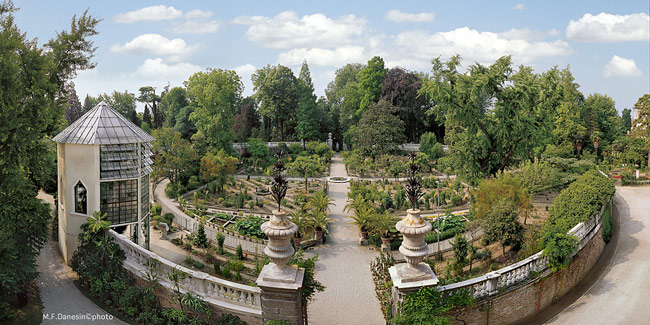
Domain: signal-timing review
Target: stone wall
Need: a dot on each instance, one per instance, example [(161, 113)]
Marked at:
[(528, 299)]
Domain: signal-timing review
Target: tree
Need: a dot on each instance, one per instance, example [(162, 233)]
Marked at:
[(174, 155), (504, 187), (400, 88), (259, 151), (344, 99), (246, 120), (215, 95), (184, 124), (430, 146), (146, 115), (34, 99), (601, 119), (642, 123), (171, 104), (74, 110), (276, 89), (460, 247), (218, 166), (494, 116), (89, 103), (502, 224), (370, 78), (308, 117), (626, 120), (305, 167), (149, 98), (379, 131)]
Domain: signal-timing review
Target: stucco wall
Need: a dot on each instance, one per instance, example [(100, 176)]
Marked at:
[(529, 299), (76, 162)]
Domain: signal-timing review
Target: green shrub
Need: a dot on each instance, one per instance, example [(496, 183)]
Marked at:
[(225, 271), (156, 209), (558, 249), (220, 239), (577, 203), (608, 224), (428, 306), (239, 253)]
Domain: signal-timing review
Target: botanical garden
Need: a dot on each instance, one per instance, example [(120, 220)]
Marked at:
[(405, 197)]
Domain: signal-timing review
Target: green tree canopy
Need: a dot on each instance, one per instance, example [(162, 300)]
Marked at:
[(305, 167), (370, 78), (34, 98), (215, 95), (308, 118), (494, 115), (276, 89), (379, 132)]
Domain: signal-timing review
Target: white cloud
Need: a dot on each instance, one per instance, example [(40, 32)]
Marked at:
[(404, 17), (519, 6), (153, 13), (198, 14), (195, 27), (155, 44), (415, 49), (610, 28), (323, 57), (156, 69), (621, 67), (525, 34), (245, 71), (286, 30)]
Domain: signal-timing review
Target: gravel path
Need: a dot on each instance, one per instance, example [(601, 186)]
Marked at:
[(344, 268), (620, 296), (59, 295)]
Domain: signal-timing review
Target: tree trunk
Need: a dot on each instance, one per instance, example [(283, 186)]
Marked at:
[(306, 184)]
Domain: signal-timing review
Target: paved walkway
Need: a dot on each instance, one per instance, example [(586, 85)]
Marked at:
[(344, 268), (620, 296), (58, 293)]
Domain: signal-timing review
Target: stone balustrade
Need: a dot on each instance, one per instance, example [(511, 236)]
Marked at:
[(491, 283), (228, 296)]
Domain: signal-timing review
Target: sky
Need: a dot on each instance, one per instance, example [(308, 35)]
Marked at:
[(606, 44)]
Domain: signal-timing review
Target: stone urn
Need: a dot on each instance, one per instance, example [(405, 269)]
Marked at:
[(413, 273), (413, 228), (280, 231)]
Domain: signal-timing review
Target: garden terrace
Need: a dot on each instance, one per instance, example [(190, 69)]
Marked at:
[(250, 195)]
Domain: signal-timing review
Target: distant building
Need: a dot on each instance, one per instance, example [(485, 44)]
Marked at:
[(104, 162)]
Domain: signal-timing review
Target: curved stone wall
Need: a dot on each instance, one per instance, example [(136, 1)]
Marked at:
[(520, 300)]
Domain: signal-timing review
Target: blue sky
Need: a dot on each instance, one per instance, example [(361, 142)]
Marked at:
[(147, 43)]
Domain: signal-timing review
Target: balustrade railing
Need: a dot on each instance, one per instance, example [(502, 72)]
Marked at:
[(492, 282), (230, 295)]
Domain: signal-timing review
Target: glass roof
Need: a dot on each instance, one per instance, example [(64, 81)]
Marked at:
[(103, 125)]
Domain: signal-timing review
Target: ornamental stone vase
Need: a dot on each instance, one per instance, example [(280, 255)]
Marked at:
[(413, 228), (413, 274), (280, 231)]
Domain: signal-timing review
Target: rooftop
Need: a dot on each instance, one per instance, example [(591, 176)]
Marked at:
[(102, 125)]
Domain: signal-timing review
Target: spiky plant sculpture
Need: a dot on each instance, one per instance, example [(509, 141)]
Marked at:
[(413, 183), (279, 185)]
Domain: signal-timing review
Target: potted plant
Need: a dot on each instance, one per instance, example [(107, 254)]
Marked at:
[(319, 220), (301, 219), (363, 217), (383, 225)]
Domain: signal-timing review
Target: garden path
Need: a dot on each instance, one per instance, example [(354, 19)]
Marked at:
[(344, 267), (620, 296), (58, 292)]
